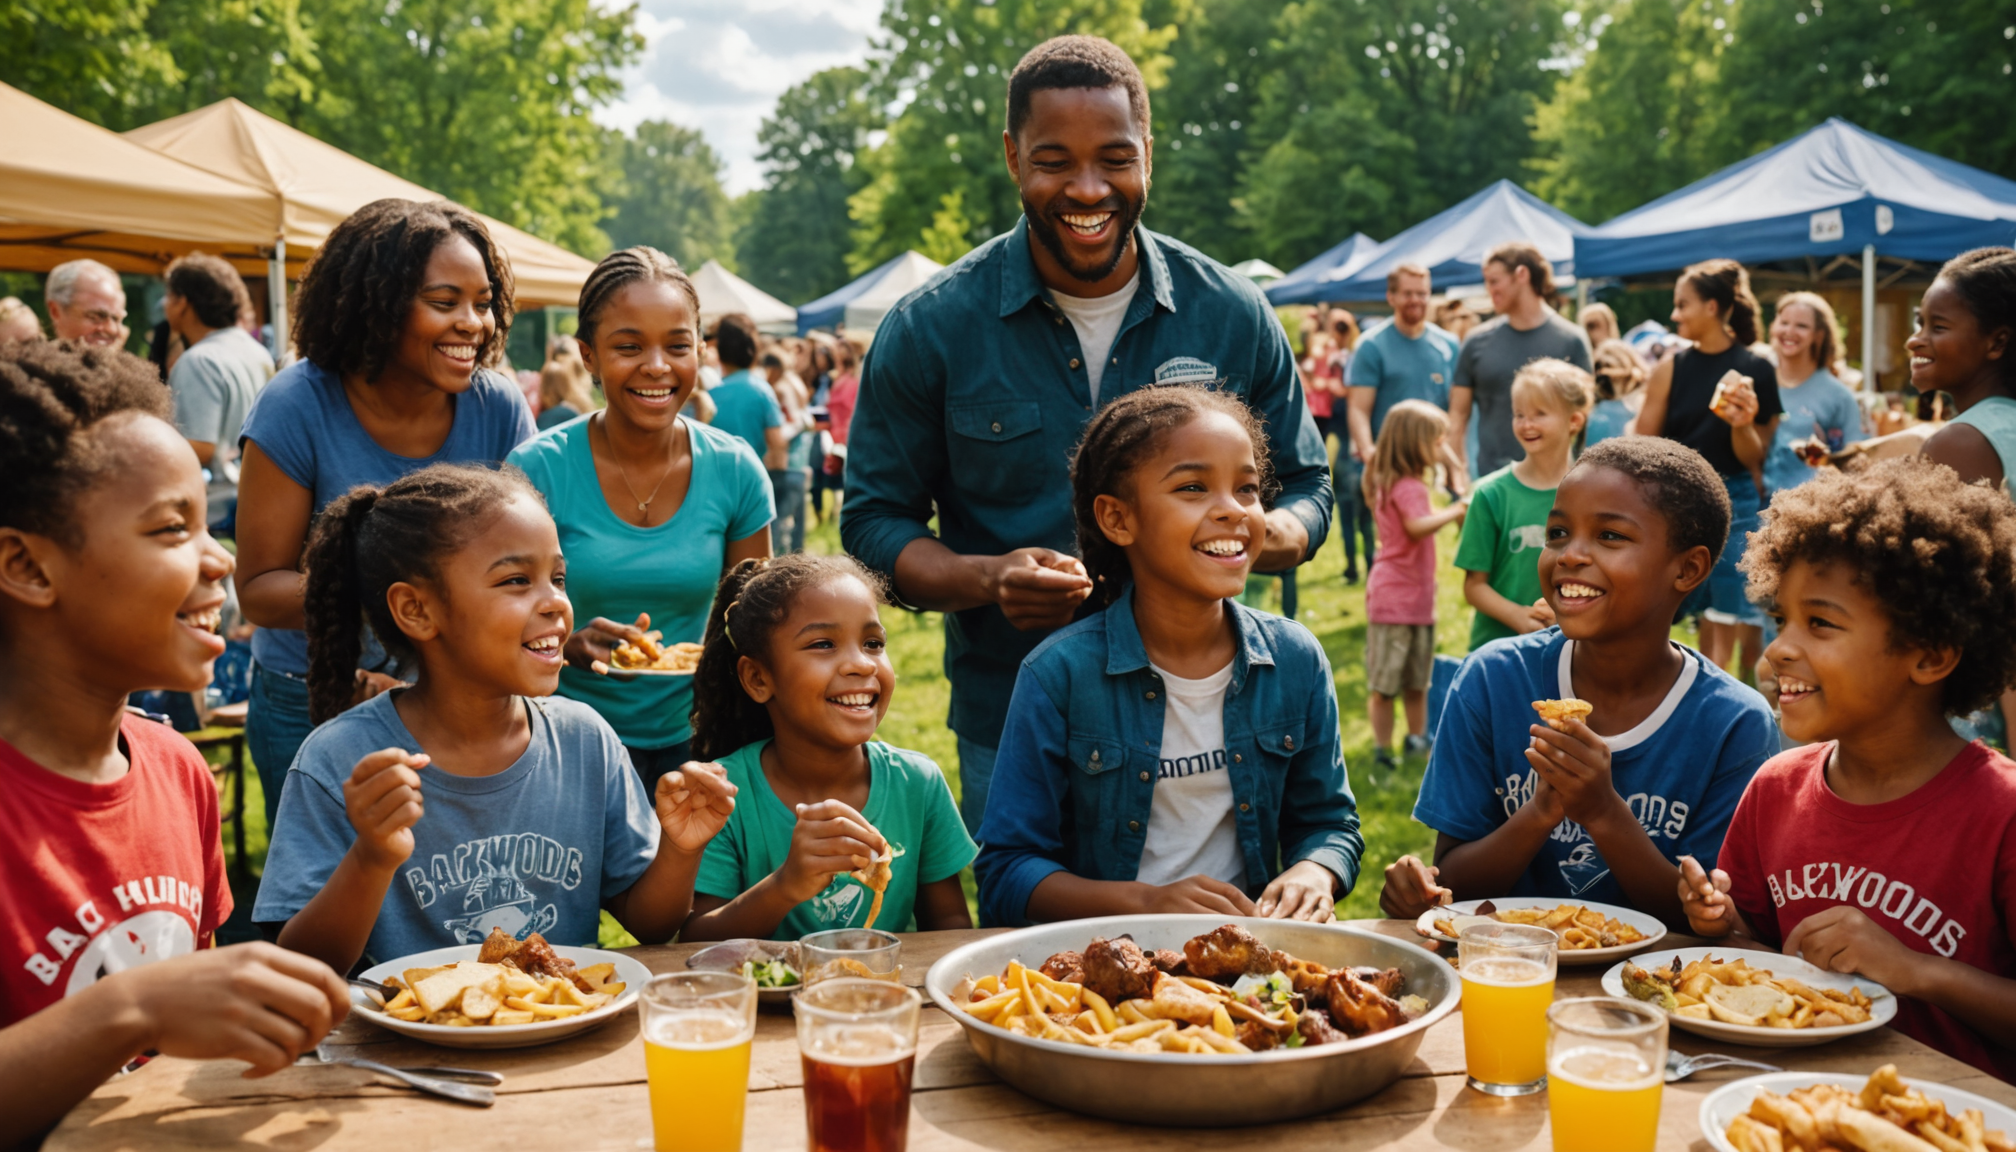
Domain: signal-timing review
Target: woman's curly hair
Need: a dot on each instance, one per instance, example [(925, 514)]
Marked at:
[(51, 396), (369, 539), (1938, 553), (358, 291), (1123, 435), (752, 599)]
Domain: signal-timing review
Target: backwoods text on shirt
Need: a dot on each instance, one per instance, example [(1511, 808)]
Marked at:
[(1877, 894)]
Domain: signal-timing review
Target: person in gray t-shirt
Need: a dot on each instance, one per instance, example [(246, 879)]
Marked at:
[(1525, 329), (224, 368)]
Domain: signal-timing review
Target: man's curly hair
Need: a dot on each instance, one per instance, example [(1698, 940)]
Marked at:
[(357, 293), (51, 396), (1938, 553)]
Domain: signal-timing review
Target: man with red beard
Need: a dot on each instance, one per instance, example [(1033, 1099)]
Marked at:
[(980, 383)]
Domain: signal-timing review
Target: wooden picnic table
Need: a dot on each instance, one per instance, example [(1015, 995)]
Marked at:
[(589, 1093)]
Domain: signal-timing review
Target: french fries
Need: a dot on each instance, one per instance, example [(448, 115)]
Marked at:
[(1886, 1116), (1025, 1001), (470, 994), (1580, 928), (1735, 993)]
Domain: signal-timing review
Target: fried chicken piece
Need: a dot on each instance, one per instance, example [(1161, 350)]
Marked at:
[(1066, 966), (497, 947), (1175, 1000), (1390, 981), (1315, 1027), (1257, 1037), (1171, 961), (535, 957), (1117, 970), (1358, 1007), (1308, 978), (1228, 952)]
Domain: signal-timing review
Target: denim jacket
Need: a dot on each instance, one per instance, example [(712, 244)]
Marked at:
[(1075, 778)]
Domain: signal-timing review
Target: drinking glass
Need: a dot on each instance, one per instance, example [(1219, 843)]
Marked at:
[(697, 1028), (1606, 1063), (1508, 982), (868, 953), (858, 1041)]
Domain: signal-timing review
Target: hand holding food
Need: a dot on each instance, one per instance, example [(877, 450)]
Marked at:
[(1198, 894), (830, 839), (649, 653), (253, 1002), (1705, 899), (1411, 889), (1735, 993), (1886, 1116), (510, 982), (694, 803), (382, 799), (1735, 399), (1304, 891), (1844, 939), (591, 646)]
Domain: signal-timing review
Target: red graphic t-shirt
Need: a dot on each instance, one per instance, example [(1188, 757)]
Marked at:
[(1936, 869), (104, 877)]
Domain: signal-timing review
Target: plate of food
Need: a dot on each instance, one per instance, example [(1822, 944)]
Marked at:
[(1590, 933), (1883, 1112), (1193, 1020), (653, 657), (503, 993), (1748, 997), (773, 964)]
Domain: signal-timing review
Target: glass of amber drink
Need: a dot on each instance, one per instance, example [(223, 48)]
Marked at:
[(1508, 982), (1606, 1063), (697, 1028), (858, 1041)]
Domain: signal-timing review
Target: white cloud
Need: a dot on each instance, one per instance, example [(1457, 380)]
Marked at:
[(719, 66)]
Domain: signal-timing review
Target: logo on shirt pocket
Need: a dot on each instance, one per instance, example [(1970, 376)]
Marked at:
[(1187, 370), (1525, 536)]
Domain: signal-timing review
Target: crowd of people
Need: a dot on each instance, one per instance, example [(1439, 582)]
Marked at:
[(1077, 443)]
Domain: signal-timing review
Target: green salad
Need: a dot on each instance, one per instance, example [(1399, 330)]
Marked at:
[(770, 973)]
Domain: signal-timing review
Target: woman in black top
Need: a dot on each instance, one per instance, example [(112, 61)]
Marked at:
[(1720, 399)]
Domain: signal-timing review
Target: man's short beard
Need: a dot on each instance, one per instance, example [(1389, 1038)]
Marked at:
[(1126, 216)]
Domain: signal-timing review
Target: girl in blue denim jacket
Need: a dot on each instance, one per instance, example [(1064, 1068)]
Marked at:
[(1176, 752)]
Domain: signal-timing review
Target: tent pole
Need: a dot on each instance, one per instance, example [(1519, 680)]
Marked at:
[(1581, 297), (1869, 382), (276, 297)]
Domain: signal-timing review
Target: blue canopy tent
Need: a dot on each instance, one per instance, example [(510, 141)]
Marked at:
[(1310, 282), (831, 309), (1453, 243), (1835, 190)]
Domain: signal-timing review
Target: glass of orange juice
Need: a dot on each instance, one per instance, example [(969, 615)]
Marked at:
[(1508, 982), (1606, 1063), (697, 1029)]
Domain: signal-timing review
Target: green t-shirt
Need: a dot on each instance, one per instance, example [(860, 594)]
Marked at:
[(908, 802), (1502, 535)]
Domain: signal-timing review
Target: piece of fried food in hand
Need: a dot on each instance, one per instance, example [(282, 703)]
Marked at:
[(1557, 713)]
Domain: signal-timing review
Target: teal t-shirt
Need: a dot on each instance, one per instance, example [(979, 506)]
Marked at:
[(1502, 535), (616, 569), (745, 406), (908, 802)]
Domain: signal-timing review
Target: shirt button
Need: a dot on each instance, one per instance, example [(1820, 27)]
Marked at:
[(1238, 759), (1074, 362), (1151, 695), (1144, 776), (997, 426), (1095, 756), (1288, 742), (1245, 807), (1133, 825)]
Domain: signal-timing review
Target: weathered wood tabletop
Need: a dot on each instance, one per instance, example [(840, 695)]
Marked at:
[(589, 1093)]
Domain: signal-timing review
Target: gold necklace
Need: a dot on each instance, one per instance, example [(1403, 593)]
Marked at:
[(643, 505)]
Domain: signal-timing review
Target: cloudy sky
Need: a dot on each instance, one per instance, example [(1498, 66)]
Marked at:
[(719, 65)]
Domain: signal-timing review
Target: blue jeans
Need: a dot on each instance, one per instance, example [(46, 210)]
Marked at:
[(1354, 519), (787, 531), (276, 722), (976, 776), (651, 763)]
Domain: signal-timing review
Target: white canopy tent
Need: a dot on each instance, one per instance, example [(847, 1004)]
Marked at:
[(865, 312), (722, 292)]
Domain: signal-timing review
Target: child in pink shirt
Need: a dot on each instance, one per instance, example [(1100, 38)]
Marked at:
[(1400, 590)]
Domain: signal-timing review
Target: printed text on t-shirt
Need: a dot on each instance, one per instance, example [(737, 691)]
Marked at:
[(1882, 898), (1180, 766)]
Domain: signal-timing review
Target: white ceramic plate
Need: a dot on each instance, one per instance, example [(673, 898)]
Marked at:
[(1654, 931), (629, 971), (1881, 1012), (1733, 1099)]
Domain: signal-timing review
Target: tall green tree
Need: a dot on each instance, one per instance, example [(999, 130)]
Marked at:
[(668, 195), (86, 57), (796, 233)]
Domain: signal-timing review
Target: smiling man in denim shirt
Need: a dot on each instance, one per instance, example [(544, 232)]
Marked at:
[(980, 383)]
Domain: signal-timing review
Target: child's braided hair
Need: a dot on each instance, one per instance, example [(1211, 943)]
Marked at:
[(752, 599), (1118, 439), (51, 396)]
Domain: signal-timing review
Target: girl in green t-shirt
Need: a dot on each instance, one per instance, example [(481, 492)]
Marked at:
[(793, 681)]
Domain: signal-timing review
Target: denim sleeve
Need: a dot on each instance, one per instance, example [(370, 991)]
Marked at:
[(1022, 833), (895, 452), (1458, 791), (1319, 816), (1301, 462)]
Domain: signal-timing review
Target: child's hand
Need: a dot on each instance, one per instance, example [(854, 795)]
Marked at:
[(1411, 889), (588, 649), (694, 803), (1305, 891), (1844, 939), (1705, 899), (1199, 894), (830, 838), (1542, 615), (1546, 802), (1037, 587), (253, 1002), (382, 798), (1576, 765)]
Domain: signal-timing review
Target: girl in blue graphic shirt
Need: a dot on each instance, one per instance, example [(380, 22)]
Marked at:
[(1176, 752)]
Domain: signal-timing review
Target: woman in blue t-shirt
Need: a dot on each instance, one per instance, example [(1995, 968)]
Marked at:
[(401, 305), (1817, 403), (652, 508)]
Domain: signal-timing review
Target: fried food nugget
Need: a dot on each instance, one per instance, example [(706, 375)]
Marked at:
[(1557, 713), (1228, 952), (1116, 970)]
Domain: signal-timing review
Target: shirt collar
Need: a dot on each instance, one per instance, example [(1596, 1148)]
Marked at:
[(1020, 284), (1125, 653)]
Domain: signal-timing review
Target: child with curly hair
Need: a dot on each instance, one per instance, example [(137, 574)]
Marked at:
[(1885, 846)]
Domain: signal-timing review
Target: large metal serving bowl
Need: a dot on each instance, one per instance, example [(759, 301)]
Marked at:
[(1198, 1091)]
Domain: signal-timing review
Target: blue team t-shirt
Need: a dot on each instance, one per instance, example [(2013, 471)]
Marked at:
[(616, 569), (744, 407), (1404, 369), (1821, 405), (535, 848), (1680, 771), (303, 422)]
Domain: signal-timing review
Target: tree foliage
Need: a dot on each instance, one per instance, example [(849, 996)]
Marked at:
[(668, 195), (795, 236)]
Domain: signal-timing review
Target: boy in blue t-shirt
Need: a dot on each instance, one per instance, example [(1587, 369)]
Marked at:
[(1601, 810)]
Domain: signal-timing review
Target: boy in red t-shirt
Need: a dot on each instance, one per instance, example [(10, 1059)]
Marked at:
[(110, 584), (1887, 845)]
